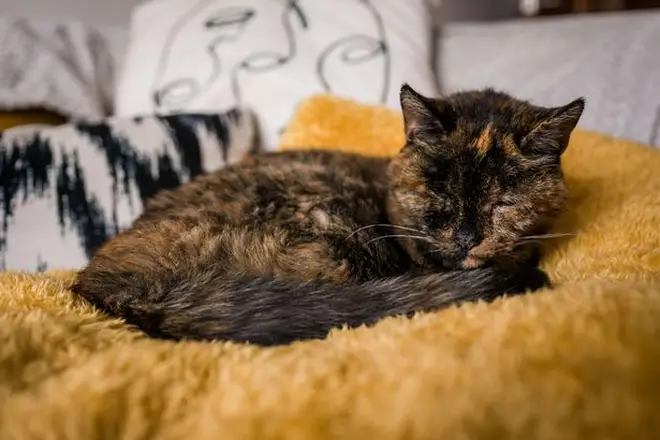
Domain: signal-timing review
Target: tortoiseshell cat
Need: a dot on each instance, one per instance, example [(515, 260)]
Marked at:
[(286, 246)]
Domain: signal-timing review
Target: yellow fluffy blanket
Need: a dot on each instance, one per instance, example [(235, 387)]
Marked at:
[(581, 361)]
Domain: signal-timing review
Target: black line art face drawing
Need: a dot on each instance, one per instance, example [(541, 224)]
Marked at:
[(245, 55), (357, 56)]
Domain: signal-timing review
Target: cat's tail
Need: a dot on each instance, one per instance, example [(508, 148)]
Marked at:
[(267, 312)]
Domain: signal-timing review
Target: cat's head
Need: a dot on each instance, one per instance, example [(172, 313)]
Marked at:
[(479, 172)]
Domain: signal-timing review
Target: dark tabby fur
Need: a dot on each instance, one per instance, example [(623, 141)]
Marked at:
[(286, 246)]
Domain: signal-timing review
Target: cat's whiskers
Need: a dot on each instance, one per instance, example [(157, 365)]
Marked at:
[(415, 237), (539, 239), (546, 236), (375, 225), (507, 250)]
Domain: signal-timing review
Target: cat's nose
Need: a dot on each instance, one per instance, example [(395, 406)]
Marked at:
[(453, 262), (467, 240)]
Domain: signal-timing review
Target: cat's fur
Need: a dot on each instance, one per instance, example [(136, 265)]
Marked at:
[(286, 246)]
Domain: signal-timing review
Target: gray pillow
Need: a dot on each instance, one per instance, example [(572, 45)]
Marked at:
[(67, 67), (612, 59), (67, 189)]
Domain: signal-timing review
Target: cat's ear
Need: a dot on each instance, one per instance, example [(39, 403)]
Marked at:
[(551, 135), (421, 115)]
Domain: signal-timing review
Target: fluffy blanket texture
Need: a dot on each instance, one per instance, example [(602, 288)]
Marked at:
[(580, 361)]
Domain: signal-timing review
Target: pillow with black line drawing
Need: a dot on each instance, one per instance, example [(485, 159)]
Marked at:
[(68, 189), (203, 55)]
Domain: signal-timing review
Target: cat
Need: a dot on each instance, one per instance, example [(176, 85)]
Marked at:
[(287, 246)]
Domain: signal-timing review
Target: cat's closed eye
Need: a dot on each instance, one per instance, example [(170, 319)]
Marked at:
[(436, 181), (442, 213), (438, 168), (497, 204), (506, 202)]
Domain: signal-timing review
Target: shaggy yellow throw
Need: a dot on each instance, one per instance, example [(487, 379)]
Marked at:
[(581, 361)]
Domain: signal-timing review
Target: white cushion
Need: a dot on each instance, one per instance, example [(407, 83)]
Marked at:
[(209, 55)]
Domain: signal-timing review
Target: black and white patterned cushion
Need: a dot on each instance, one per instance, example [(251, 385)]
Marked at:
[(66, 190)]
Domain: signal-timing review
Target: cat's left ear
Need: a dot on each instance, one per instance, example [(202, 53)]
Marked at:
[(423, 116), (551, 135)]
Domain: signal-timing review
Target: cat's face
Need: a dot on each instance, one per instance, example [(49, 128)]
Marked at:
[(479, 173)]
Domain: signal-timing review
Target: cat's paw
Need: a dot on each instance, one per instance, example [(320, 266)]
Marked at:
[(528, 279)]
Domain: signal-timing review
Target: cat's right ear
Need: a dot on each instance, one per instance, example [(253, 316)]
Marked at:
[(419, 114), (552, 134)]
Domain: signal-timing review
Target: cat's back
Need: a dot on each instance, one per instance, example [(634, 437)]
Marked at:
[(274, 185)]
